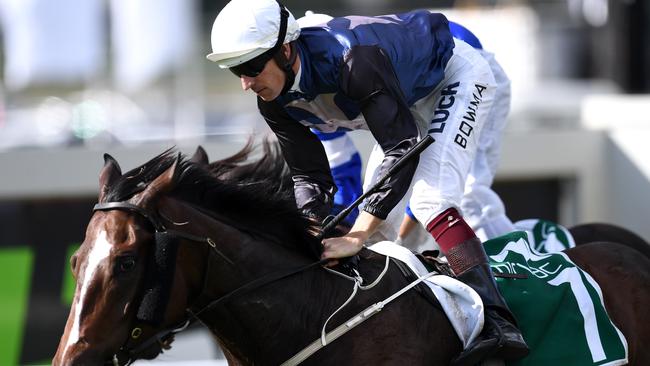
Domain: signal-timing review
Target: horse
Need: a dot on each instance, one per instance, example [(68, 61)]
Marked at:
[(172, 241), (598, 231), (229, 235)]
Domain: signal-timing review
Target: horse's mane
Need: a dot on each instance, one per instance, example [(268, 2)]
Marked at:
[(269, 168), (253, 196)]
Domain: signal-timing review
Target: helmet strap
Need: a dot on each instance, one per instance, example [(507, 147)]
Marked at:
[(286, 65)]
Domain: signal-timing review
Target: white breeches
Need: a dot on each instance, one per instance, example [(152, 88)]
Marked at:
[(466, 115)]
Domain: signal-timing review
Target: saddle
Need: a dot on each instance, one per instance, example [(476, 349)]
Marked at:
[(434, 263)]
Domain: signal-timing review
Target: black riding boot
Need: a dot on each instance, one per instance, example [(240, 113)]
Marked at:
[(500, 337)]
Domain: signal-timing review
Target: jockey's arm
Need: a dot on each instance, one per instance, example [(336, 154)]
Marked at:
[(369, 78), (314, 187)]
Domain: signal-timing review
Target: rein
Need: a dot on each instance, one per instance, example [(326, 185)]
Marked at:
[(361, 317), (128, 351), (260, 282)]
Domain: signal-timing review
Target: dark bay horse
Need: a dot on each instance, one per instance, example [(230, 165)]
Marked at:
[(256, 233), (172, 240), (591, 232)]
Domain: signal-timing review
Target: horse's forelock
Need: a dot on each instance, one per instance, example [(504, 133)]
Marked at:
[(137, 179)]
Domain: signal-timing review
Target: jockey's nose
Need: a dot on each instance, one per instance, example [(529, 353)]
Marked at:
[(246, 82)]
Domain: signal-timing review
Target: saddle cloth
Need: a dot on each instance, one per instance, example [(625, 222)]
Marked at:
[(461, 303), (559, 307), (546, 236)]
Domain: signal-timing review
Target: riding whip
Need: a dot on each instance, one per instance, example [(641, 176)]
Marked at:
[(330, 222)]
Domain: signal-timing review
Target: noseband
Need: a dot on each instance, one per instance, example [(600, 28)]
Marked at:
[(129, 351)]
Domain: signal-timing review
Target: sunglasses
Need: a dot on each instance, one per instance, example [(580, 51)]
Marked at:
[(254, 67)]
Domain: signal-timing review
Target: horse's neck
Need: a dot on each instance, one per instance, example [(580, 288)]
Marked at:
[(245, 323), (237, 257), (274, 322), (262, 324), (258, 321), (266, 323), (240, 257)]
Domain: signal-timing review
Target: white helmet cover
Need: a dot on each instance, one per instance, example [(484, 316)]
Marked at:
[(244, 29)]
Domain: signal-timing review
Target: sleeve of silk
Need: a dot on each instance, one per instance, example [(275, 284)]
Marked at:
[(368, 77), (314, 187)]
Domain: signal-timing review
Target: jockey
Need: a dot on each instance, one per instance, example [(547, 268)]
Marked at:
[(401, 77)]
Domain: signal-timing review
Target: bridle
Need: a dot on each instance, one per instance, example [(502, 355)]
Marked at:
[(131, 348)]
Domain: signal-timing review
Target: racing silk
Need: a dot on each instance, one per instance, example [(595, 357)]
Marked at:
[(359, 73)]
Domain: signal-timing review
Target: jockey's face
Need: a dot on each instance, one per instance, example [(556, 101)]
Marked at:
[(269, 83)]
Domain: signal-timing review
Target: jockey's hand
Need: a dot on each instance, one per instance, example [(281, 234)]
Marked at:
[(352, 242), (343, 246)]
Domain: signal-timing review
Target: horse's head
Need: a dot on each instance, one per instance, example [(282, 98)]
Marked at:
[(111, 268), (239, 215)]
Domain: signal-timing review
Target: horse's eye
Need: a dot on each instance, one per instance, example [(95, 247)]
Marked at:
[(126, 263)]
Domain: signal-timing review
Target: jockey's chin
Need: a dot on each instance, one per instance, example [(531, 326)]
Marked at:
[(267, 94)]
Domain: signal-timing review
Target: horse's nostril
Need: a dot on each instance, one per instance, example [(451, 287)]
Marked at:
[(73, 262)]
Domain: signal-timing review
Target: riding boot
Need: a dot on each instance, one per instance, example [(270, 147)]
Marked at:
[(500, 336)]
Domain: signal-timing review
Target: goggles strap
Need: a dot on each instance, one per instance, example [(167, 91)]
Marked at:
[(282, 32), (287, 67)]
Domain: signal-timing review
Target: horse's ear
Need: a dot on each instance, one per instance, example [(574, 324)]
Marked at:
[(109, 174), (164, 183), (200, 156)]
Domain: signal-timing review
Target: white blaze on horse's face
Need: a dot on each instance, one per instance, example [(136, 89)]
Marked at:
[(100, 250)]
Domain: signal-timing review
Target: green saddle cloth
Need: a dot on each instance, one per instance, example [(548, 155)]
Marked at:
[(546, 236), (558, 306)]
